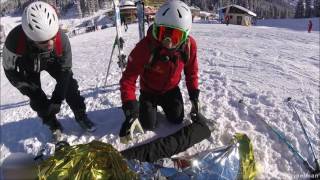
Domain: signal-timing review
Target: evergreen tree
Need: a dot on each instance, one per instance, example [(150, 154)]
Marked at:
[(316, 8), (308, 12), (250, 2), (299, 10), (246, 4), (263, 8), (78, 4)]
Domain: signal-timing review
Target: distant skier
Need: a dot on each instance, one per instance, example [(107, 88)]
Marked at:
[(159, 60), (309, 26), (227, 20), (124, 22), (38, 45)]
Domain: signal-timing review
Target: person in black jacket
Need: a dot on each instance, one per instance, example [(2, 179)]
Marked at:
[(36, 45)]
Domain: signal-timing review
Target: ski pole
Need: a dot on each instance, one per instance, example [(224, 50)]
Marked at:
[(292, 106), (283, 139), (113, 47), (140, 13)]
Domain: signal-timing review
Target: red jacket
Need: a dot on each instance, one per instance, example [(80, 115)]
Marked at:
[(162, 76)]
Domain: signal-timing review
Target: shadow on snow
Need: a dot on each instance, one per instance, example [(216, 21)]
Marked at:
[(15, 134)]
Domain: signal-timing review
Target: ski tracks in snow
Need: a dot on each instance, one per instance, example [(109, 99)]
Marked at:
[(222, 105), (253, 74)]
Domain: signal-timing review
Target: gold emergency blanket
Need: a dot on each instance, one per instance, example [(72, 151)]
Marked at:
[(93, 161), (247, 162)]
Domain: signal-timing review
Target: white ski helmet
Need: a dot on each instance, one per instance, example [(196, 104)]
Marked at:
[(174, 13), (40, 21)]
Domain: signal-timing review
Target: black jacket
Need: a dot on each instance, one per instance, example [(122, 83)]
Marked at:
[(18, 66)]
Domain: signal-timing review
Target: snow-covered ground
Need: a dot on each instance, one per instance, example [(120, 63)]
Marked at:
[(262, 65), (293, 24)]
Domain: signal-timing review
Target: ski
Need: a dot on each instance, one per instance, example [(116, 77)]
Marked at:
[(140, 14), (281, 137), (119, 42), (110, 60)]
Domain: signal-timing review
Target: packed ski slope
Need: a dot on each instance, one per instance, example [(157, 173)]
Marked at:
[(262, 65)]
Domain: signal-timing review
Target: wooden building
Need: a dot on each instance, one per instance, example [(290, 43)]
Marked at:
[(237, 15), (195, 12), (128, 11)]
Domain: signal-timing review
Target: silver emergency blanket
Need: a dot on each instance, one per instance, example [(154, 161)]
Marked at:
[(234, 161)]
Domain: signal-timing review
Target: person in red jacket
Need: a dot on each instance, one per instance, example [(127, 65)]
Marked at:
[(309, 26), (159, 60)]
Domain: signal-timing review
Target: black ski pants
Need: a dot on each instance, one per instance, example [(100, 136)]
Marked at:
[(171, 103), (40, 102), (165, 147)]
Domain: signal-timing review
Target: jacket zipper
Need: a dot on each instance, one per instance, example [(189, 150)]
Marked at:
[(170, 72)]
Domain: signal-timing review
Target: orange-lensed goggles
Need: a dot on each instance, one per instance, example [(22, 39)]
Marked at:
[(177, 36)]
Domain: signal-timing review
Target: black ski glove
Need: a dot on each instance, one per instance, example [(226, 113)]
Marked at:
[(131, 109), (195, 108), (194, 98), (194, 94), (131, 112)]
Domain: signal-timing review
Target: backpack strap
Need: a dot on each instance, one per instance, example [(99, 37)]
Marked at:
[(21, 47), (153, 57), (58, 44), (184, 50)]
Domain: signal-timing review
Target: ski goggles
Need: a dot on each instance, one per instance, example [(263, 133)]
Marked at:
[(176, 35)]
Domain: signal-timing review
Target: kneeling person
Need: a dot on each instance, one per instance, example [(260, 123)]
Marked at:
[(159, 60)]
